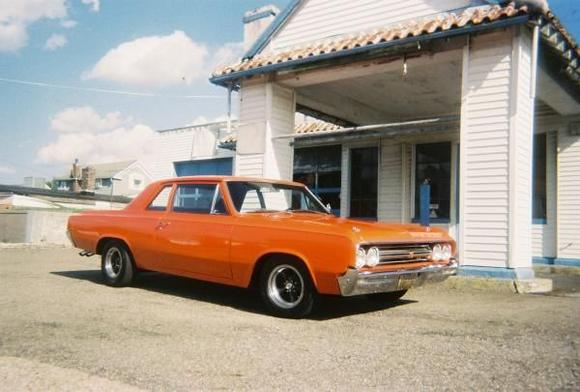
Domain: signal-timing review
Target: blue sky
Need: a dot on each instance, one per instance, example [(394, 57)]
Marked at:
[(39, 125)]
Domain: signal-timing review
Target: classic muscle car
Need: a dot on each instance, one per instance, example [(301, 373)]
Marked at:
[(275, 236)]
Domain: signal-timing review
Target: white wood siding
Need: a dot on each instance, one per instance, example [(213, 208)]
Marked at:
[(390, 195), (280, 121), (568, 195), (484, 151), (521, 142), (266, 112), (251, 165), (544, 236), (345, 182), (322, 19)]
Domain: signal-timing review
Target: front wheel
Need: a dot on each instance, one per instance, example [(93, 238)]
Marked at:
[(117, 264), (286, 288)]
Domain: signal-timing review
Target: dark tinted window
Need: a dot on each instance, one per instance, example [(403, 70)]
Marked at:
[(433, 166), (364, 182), (539, 180), (319, 168)]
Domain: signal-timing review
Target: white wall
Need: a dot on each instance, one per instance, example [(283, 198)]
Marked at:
[(496, 136), (568, 195), (322, 19)]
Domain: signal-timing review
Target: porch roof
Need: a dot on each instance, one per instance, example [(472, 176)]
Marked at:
[(470, 20)]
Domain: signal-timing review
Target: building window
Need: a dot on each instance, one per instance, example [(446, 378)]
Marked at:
[(364, 174), (106, 182), (539, 180), (319, 168), (433, 166)]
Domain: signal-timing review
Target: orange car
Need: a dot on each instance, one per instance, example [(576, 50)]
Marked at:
[(273, 235)]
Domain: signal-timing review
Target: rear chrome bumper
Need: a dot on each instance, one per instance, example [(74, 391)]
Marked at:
[(354, 282)]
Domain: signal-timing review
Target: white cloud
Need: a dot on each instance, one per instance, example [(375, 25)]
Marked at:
[(7, 169), (162, 60), (68, 23), (199, 120), (16, 16), (55, 41), (226, 55), (83, 133), (153, 61), (94, 4), (84, 119)]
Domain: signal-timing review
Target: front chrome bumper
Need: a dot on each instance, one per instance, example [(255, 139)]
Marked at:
[(354, 282)]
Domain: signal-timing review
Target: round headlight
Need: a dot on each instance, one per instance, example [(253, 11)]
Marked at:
[(447, 252), (361, 258), (437, 253), (373, 256)]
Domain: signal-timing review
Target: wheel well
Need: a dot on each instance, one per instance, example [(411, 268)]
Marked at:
[(105, 240), (254, 281)]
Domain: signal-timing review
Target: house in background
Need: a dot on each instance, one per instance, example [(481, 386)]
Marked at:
[(126, 178), (192, 150), (35, 182), (480, 99)]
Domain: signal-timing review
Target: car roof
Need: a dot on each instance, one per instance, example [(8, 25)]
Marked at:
[(215, 178)]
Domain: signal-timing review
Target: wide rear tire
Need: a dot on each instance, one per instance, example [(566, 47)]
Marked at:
[(117, 266)]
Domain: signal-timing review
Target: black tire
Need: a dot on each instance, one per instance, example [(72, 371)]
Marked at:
[(387, 297), (117, 266), (297, 299)]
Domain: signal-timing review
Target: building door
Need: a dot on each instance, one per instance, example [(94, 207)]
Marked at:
[(364, 174), (217, 166)]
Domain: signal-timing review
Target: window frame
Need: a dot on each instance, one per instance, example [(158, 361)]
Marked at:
[(169, 199), (414, 195), (217, 192)]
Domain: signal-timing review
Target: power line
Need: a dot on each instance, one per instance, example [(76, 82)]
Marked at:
[(107, 91)]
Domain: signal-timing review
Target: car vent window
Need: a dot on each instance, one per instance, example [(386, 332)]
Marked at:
[(196, 198), (160, 201)]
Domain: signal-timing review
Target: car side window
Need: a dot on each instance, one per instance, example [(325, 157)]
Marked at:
[(161, 200), (198, 198)]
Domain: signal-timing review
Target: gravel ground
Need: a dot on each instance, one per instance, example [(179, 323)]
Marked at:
[(61, 329)]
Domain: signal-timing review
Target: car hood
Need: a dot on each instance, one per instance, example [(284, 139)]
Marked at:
[(361, 231)]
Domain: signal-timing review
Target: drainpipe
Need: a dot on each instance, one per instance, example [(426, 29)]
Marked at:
[(229, 108), (535, 50)]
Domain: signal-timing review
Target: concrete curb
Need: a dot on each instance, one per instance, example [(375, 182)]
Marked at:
[(506, 286)]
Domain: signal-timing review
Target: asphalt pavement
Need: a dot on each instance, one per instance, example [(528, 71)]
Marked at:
[(62, 329)]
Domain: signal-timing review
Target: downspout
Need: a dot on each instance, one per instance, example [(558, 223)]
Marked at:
[(229, 115)]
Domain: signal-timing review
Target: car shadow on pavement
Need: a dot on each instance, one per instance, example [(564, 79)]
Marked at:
[(238, 298)]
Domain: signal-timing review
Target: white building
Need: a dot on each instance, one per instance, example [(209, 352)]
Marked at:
[(125, 178), (480, 99)]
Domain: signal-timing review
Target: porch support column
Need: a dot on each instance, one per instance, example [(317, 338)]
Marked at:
[(266, 111), (496, 155)]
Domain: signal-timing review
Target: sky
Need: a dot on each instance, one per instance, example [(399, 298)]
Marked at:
[(57, 57)]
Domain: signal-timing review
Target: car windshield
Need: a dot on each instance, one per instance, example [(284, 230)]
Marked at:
[(255, 197)]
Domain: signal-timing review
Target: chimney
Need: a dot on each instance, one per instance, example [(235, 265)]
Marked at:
[(88, 179), (256, 21)]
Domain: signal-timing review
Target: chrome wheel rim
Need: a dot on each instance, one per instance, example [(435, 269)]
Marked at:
[(285, 286), (113, 262)]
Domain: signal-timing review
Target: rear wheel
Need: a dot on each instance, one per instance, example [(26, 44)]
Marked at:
[(286, 288), (387, 297), (117, 265)]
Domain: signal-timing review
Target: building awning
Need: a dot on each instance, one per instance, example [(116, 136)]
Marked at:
[(443, 25)]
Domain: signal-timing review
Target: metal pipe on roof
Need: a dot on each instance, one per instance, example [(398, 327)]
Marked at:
[(372, 127)]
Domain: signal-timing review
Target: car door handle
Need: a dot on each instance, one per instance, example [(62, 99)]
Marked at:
[(161, 225)]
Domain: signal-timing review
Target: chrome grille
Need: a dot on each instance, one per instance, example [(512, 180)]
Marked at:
[(403, 253)]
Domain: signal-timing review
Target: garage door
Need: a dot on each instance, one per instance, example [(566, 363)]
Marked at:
[(218, 166)]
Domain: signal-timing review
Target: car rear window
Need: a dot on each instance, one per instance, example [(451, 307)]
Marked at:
[(161, 200)]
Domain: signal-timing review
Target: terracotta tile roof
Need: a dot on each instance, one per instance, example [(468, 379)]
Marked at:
[(230, 140), (317, 126), (413, 28)]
